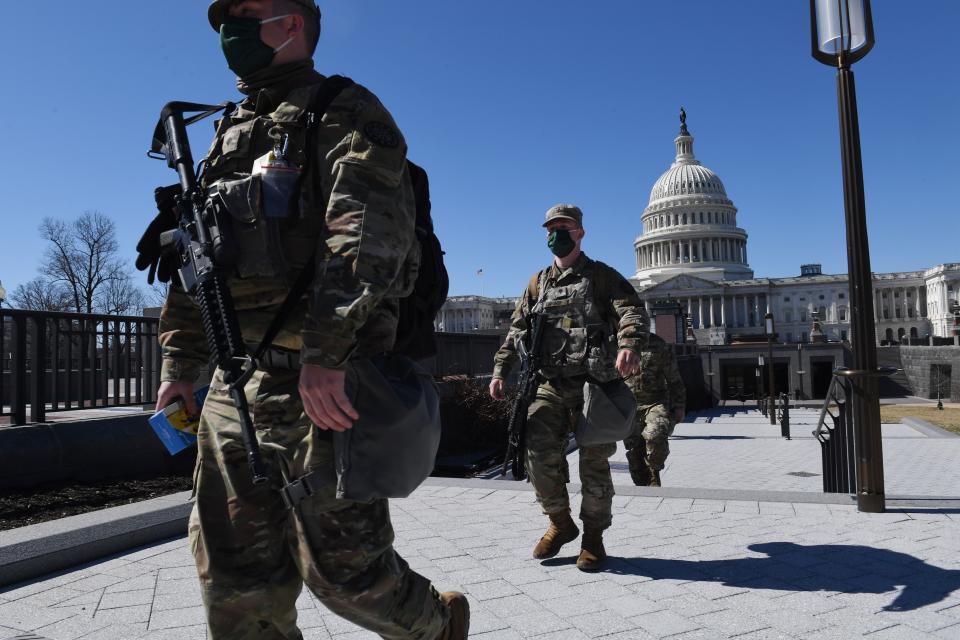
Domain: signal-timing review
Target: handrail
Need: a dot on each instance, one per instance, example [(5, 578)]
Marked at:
[(819, 430)]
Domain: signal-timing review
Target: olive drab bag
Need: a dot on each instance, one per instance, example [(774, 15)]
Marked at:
[(609, 409), (391, 449)]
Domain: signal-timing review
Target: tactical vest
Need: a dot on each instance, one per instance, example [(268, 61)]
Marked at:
[(276, 247), (577, 340), (268, 247)]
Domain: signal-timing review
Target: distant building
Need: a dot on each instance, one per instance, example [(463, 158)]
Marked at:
[(461, 314), (691, 251)]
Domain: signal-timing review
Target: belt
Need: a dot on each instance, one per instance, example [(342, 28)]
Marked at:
[(277, 358)]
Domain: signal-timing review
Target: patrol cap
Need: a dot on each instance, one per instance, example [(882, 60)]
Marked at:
[(564, 212), (219, 8)]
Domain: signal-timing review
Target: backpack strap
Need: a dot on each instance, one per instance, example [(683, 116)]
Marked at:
[(327, 92)]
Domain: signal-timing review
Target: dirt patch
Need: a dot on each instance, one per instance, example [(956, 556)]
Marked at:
[(948, 418), (19, 508)]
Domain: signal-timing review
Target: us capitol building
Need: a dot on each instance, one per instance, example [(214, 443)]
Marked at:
[(692, 252)]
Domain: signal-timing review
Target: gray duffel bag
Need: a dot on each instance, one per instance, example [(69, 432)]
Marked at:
[(391, 449), (608, 412)]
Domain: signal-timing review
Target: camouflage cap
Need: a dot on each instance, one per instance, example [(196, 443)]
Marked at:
[(564, 212), (218, 10)]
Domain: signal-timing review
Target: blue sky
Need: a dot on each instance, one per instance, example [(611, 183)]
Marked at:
[(513, 106)]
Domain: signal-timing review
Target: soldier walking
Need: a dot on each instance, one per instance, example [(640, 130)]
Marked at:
[(253, 554), (595, 327), (661, 400)]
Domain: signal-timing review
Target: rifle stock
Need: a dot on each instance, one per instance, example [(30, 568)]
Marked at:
[(202, 275), (515, 458)]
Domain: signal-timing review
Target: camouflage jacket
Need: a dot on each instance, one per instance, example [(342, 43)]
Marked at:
[(658, 381), (614, 298), (356, 211)]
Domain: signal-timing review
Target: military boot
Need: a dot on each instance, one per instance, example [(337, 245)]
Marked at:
[(459, 622), (592, 553), (639, 472), (561, 531), (654, 478)]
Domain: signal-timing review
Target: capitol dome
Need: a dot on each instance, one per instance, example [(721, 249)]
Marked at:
[(690, 224), (682, 179)]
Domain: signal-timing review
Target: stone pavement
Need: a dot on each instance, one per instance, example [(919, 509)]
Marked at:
[(740, 449), (681, 568)]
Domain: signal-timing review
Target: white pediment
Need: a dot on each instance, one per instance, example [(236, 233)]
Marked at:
[(683, 282)]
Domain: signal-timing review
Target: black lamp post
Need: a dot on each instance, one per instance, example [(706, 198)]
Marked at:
[(771, 387), (800, 370), (841, 32), (710, 372), (757, 372)]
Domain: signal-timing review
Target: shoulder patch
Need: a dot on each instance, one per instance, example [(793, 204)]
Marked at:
[(381, 134)]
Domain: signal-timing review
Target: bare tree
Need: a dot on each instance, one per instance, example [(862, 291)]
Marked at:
[(39, 295), (120, 297), (81, 270)]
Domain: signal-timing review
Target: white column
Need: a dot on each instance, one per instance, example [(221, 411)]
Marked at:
[(767, 296), (745, 261), (711, 311), (723, 311), (700, 249), (917, 293)]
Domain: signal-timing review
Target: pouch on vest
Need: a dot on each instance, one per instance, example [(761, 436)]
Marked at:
[(260, 251), (609, 409), (392, 448)]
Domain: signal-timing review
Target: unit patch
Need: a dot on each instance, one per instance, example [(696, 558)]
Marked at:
[(381, 134)]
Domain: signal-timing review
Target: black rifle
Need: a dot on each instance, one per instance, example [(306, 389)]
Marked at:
[(206, 255), (515, 458)]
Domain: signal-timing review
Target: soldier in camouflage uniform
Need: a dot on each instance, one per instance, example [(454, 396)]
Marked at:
[(595, 328), (661, 399), (356, 210)]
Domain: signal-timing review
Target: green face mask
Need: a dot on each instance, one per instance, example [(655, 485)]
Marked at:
[(245, 52), (560, 243)]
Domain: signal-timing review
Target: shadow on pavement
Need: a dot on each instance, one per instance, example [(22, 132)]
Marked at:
[(712, 437), (830, 567)]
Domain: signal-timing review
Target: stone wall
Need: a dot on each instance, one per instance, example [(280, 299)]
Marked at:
[(917, 363)]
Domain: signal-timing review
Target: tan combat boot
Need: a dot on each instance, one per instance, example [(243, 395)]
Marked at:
[(459, 622), (592, 553), (654, 478), (562, 530)]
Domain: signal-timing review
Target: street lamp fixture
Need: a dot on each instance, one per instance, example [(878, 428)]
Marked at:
[(841, 33), (768, 328)]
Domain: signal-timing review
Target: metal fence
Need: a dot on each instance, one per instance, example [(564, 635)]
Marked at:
[(52, 361), (837, 442)]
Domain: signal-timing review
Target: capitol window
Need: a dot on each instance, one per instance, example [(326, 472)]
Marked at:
[(842, 296)]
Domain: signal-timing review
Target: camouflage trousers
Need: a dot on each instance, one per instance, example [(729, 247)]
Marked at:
[(253, 554), (550, 421), (652, 429)]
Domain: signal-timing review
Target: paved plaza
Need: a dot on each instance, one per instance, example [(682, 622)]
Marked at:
[(773, 563)]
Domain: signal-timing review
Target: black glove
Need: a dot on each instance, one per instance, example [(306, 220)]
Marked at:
[(149, 252)]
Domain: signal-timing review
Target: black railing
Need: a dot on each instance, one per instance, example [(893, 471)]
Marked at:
[(52, 361), (837, 444), (783, 415)]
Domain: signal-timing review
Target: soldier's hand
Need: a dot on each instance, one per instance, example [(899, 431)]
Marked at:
[(678, 414), (325, 399), (170, 392), (628, 362), (496, 389)]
